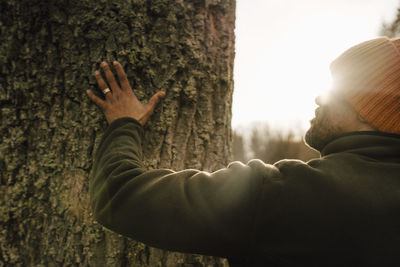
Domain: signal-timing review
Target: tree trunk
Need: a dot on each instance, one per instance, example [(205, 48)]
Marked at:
[(49, 128)]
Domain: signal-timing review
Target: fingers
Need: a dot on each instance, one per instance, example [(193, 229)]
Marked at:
[(110, 77), (98, 101), (123, 80), (100, 81)]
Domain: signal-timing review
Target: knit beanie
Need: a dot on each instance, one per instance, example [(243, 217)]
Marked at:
[(368, 76)]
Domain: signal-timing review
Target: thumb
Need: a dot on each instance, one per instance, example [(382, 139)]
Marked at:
[(150, 106), (156, 98)]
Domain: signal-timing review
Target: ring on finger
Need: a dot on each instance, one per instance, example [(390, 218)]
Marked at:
[(107, 90)]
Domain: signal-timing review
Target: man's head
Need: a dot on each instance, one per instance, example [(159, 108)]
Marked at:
[(365, 95)]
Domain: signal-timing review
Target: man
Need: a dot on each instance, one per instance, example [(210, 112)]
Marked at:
[(342, 209)]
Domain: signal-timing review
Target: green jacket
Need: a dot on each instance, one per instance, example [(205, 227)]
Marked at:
[(342, 209)]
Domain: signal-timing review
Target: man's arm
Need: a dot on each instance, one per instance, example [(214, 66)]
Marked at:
[(188, 211)]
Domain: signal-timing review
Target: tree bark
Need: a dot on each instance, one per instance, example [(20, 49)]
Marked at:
[(49, 50)]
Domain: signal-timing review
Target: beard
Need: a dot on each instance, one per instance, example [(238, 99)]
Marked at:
[(322, 131)]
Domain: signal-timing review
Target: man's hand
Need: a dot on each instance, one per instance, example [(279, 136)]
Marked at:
[(121, 101)]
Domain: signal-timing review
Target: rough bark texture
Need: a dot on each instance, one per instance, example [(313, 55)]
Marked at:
[(49, 129)]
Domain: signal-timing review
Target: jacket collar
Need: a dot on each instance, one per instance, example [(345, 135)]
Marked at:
[(369, 143)]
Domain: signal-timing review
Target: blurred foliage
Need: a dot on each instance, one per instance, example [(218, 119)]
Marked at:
[(391, 29), (270, 145)]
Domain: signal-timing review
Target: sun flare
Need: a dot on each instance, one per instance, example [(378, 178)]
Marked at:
[(283, 54)]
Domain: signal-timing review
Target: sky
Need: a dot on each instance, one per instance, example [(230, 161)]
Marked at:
[(283, 51)]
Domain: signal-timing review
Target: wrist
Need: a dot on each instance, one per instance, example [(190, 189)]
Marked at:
[(123, 120), (111, 119)]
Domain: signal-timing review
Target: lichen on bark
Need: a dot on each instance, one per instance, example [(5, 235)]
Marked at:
[(49, 129)]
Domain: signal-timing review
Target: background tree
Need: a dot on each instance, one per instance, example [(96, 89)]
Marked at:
[(392, 29), (238, 147), (49, 129)]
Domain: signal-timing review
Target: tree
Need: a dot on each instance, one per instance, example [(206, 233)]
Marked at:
[(392, 29), (49, 128), (238, 148)]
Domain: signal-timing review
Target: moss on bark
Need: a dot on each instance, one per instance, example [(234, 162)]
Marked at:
[(49, 129)]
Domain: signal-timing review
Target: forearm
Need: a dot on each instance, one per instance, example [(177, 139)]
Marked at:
[(119, 152), (189, 211)]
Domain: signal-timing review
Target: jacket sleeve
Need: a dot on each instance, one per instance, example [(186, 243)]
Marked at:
[(188, 211)]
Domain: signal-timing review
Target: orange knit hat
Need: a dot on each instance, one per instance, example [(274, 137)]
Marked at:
[(368, 75)]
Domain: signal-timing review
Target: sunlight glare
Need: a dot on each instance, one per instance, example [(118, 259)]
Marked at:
[(283, 55)]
